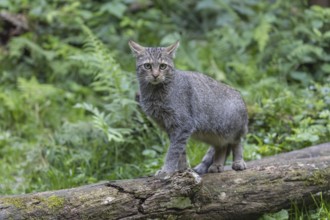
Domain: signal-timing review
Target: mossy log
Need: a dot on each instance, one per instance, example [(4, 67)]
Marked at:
[(268, 185)]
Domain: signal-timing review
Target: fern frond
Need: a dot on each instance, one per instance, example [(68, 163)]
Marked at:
[(115, 86), (303, 52), (261, 33), (18, 44), (108, 73)]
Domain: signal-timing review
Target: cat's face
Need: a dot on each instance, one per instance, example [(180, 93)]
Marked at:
[(154, 64)]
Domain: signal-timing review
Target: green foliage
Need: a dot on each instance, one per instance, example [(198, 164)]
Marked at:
[(288, 120), (113, 85), (67, 85), (320, 209), (29, 115), (281, 215)]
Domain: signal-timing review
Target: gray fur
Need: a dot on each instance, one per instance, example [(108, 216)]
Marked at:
[(189, 104)]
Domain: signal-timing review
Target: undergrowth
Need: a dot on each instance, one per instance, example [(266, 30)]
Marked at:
[(68, 114)]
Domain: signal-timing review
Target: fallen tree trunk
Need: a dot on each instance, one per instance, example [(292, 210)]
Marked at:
[(268, 185)]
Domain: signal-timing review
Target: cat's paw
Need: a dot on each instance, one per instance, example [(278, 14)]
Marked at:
[(200, 169), (239, 165), (163, 174), (216, 168)]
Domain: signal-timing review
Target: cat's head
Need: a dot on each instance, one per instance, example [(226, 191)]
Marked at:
[(154, 65)]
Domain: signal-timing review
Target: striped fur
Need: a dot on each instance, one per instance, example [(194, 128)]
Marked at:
[(189, 104)]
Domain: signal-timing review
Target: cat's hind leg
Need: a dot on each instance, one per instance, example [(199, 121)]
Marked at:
[(238, 161), (206, 162), (219, 159)]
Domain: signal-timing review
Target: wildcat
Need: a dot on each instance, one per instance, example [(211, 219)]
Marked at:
[(189, 104)]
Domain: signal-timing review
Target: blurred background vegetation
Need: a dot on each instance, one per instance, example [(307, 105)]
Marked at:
[(67, 82)]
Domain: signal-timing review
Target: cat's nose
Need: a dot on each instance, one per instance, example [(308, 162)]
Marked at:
[(155, 74)]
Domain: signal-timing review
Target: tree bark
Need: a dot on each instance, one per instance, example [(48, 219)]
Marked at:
[(322, 3), (268, 185)]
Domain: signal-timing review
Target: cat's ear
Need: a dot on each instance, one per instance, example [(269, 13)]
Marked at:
[(136, 48), (172, 49)]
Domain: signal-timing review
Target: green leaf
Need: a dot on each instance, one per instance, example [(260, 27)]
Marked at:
[(206, 4), (325, 68), (114, 8), (281, 215), (170, 38)]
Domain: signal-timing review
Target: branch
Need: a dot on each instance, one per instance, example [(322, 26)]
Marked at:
[(268, 185), (19, 21)]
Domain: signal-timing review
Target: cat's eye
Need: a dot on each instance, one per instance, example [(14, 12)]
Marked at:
[(147, 66), (162, 66)]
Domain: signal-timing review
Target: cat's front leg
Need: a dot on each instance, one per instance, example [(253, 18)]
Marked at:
[(176, 159)]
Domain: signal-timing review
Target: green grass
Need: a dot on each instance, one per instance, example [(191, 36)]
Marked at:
[(319, 210)]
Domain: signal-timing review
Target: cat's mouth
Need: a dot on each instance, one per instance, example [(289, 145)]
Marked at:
[(155, 81)]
